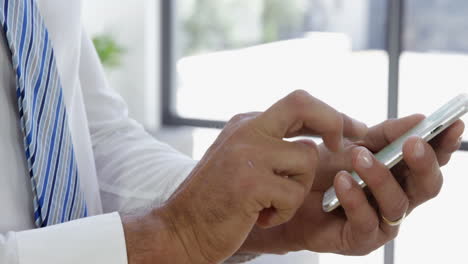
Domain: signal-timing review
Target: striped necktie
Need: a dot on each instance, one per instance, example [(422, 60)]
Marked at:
[(48, 144)]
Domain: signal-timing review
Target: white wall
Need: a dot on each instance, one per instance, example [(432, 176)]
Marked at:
[(135, 25)]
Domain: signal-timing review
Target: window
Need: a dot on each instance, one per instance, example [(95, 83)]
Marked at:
[(243, 55), (434, 63), (222, 57)]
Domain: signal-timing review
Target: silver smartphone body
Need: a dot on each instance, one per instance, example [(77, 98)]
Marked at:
[(430, 127)]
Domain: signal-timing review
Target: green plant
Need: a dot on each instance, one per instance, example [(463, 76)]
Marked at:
[(109, 51), (282, 18), (211, 25)]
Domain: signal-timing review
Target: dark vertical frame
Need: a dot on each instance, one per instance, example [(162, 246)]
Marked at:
[(167, 60), (168, 72), (394, 49), (394, 40)]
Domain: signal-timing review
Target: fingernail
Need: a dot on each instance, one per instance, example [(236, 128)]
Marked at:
[(360, 128), (364, 159), (344, 181), (418, 150)]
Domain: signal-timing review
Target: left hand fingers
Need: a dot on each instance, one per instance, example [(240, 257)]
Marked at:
[(391, 199), (361, 216), (425, 178)]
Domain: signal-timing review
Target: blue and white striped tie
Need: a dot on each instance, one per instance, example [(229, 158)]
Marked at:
[(47, 139)]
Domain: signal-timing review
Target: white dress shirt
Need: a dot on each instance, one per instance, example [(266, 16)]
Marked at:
[(121, 167)]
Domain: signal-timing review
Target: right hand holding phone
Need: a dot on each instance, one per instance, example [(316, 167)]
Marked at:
[(358, 228)]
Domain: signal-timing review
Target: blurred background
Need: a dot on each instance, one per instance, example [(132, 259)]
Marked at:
[(186, 66)]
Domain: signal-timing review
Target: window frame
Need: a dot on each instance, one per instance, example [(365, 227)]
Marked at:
[(394, 48)]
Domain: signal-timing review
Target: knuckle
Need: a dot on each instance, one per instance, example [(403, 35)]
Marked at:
[(299, 95), (434, 188), (283, 216), (380, 178), (352, 205), (444, 159), (378, 182), (236, 118), (335, 124), (250, 191), (368, 226), (233, 126), (371, 225), (387, 127), (298, 98), (248, 184), (300, 194), (338, 123), (433, 192), (310, 153), (297, 194), (313, 152), (399, 208), (239, 118)]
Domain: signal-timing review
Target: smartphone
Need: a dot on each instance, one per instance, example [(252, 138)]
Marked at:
[(393, 153)]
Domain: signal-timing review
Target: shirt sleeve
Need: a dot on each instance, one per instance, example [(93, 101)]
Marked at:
[(134, 169), (100, 239)]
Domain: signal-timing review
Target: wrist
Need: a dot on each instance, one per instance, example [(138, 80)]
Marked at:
[(150, 238)]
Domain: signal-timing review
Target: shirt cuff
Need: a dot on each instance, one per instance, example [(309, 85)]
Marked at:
[(98, 239)]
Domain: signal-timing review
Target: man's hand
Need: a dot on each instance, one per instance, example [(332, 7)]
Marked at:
[(250, 176), (357, 228)]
